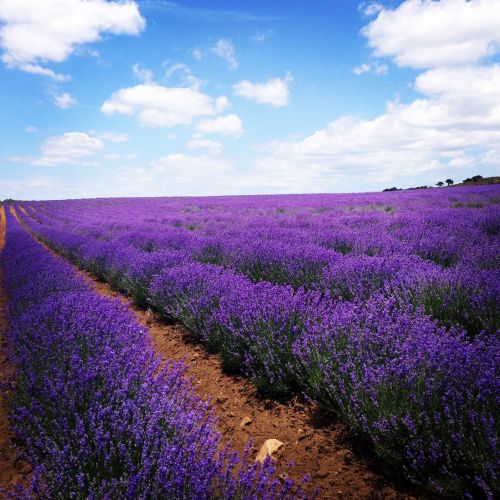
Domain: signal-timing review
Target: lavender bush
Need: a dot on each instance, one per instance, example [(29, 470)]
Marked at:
[(257, 326), (191, 293), (426, 397), (144, 268)]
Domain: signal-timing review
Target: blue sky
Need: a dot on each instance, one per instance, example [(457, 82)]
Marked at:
[(149, 98)]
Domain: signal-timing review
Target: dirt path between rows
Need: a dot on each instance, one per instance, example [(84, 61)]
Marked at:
[(317, 446), (13, 469)]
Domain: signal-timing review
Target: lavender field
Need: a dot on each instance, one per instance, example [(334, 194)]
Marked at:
[(97, 414), (249, 250), (382, 308)]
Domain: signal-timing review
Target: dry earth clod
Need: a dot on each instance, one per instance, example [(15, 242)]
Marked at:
[(270, 447), (246, 421)]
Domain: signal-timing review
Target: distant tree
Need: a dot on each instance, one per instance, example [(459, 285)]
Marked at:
[(440, 183), (473, 179), (391, 189), (449, 182)]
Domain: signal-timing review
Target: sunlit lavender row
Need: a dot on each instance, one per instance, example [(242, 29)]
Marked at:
[(381, 307), (96, 414)]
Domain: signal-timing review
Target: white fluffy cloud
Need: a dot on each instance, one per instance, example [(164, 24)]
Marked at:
[(470, 86), (429, 34), (64, 101), (273, 92), (221, 103), (229, 125), (34, 32), (74, 148), (66, 149), (225, 50), (159, 106)]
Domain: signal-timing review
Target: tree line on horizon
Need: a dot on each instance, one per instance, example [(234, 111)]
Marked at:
[(449, 182)]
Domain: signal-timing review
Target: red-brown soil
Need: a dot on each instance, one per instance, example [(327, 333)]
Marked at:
[(318, 446), (12, 468)]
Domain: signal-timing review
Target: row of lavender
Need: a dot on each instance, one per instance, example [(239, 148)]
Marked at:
[(97, 414), (440, 254), (424, 393)]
